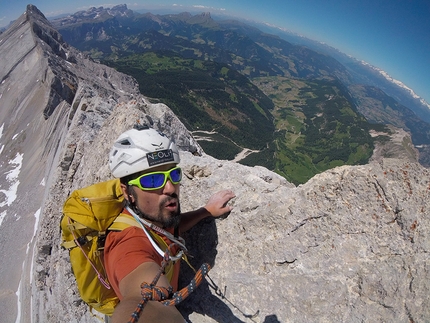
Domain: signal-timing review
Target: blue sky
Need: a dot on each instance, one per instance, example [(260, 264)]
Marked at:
[(393, 35)]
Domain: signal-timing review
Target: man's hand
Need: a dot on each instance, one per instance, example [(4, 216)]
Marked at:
[(216, 207), (217, 203)]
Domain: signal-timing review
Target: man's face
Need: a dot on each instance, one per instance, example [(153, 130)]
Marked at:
[(159, 206)]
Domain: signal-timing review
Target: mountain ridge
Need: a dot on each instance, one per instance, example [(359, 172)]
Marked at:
[(46, 87)]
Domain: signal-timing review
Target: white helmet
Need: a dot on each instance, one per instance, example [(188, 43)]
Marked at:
[(139, 149)]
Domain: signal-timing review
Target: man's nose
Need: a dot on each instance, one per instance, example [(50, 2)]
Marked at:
[(169, 187)]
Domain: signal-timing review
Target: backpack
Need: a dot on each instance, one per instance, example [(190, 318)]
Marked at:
[(88, 213)]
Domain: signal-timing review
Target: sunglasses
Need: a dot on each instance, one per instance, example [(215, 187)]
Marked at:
[(157, 180)]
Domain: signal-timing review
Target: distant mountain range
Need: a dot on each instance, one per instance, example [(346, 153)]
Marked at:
[(293, 106), (361, 71)]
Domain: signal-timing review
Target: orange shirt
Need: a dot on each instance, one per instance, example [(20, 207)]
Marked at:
[(126, 250)]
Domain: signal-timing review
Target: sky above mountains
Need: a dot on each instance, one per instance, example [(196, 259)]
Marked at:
[(393, 35)]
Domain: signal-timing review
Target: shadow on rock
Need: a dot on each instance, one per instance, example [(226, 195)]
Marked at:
[(271, 319), (202, 241)]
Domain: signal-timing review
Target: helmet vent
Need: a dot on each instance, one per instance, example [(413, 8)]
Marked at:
[(125, 142)]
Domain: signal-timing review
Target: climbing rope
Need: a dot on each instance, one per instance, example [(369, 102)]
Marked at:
[(151, 292)]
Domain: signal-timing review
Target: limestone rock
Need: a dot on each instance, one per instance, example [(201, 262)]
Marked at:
[(351, 245)]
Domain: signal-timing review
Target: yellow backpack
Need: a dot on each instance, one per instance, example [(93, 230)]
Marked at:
[(88, 214)]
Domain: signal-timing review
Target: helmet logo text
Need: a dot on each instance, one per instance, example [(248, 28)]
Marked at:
[(160, 157)]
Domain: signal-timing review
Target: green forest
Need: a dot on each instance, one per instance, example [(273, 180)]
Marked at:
[(291, 106), (320, 128)]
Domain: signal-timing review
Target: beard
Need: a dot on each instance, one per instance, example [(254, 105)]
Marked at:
[(165, 220), (172, 221)]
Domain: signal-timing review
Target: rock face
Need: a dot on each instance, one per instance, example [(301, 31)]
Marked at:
[(350, 245)]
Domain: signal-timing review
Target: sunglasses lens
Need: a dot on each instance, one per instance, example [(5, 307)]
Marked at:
[(152, 180), (176, 175)]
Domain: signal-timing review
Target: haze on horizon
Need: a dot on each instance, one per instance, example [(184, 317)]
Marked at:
[(392, 35)]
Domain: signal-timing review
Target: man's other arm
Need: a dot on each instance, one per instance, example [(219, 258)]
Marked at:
[(153, 311)]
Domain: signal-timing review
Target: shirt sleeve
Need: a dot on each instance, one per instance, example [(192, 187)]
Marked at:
[(125, 251)]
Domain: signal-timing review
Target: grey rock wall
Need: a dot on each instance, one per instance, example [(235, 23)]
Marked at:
[(351, 245)]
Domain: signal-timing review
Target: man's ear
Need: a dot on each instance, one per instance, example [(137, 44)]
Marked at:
[(126, 194)]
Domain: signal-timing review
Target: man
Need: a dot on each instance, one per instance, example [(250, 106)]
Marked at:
[(146, 162)]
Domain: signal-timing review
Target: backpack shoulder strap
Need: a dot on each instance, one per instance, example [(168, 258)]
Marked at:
[(122, 222)]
